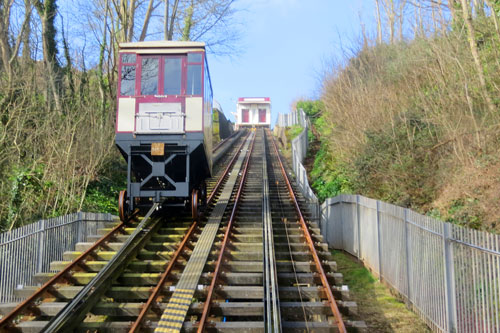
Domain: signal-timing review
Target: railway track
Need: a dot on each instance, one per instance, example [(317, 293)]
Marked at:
[(254, 262)]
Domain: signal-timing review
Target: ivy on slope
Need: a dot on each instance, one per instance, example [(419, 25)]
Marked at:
[(328, 175)]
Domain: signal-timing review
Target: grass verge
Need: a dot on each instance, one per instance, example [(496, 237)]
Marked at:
[(377, 306)]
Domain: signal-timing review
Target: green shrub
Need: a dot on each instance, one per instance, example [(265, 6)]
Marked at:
[(395, 162), (311, 108), (292, 132), (102, 194), (329, 177)]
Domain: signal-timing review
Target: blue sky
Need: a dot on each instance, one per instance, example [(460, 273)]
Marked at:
[(286, 46)]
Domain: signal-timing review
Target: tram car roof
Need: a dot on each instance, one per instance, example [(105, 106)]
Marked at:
[(254, 100), (165, 46)]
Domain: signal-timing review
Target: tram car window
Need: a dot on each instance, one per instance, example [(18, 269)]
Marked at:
[(164, 123)]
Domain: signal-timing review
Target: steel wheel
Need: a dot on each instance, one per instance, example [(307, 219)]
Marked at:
[(123, 208), (194, 204), (203, 194)]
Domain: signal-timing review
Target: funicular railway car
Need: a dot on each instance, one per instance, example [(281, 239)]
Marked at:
[(164, 123), (253, 112)]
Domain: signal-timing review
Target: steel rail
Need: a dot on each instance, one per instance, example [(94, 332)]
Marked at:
[(27, 303), (273, 315), (310, 243), (208, 301), (233, 160), (222, 142), (72, 314), (136, 326)]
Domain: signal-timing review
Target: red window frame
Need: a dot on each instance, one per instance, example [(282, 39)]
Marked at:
[(161, 70), (159, 82), (262, 115), (161, 96), (185, 72), (121, 64), (245, 116)]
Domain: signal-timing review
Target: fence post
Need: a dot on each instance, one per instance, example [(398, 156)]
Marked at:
[(408, 253), (359, 226), (378, 243), (79, 218), (41, 245), (451, 304)]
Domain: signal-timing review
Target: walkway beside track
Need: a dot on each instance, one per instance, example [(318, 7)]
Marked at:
[(174, 315)]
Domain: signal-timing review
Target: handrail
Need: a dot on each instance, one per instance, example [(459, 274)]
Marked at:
[(24, 306), (75, 310)]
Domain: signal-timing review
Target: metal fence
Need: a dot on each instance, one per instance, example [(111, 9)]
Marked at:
[(290, 119), (30, 249), (299, 151), (448, 274)]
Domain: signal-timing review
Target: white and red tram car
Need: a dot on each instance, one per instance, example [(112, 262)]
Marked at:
[(253, 112), (163, 121)]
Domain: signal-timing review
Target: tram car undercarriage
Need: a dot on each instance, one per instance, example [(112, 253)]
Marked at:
[(164, 124)]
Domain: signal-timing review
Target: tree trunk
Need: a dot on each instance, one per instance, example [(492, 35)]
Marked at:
[(379, 22), (47, 11), (5, 48), (26, 55), (100, 68), (131, 23), (149, 11), (443, 23), (451, 6), (494, 16), (391, 18), (188, 22), (402, 7), (172, 20), (420, 22), (479, 7), (165, 21), (434, 18), (475, 54)]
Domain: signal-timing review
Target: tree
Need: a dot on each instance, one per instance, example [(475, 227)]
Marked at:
[(379, 22), (8, 52), (47, 11), (494, 16), (390, 13), (471, 33)]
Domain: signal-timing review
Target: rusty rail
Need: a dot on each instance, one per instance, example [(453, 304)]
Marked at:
[(310, 243), (208, 301), (136, 326), (221, 179), (27, 304), (222, 142)]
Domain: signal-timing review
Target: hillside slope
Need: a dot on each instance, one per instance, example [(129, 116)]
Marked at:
[(408, 123)]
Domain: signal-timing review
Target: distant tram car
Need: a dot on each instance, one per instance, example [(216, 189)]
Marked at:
[(164, 123), (253, 112)]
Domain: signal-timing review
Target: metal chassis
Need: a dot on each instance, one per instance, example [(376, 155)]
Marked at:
[(176, 145)]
